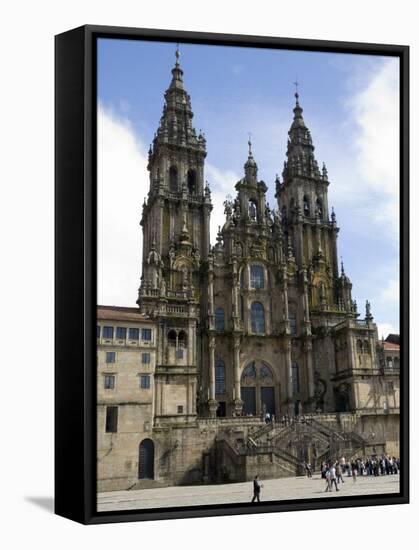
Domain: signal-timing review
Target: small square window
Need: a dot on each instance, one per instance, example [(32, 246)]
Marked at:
[(109, 382), (146, 334), (145, 382), (179, 354), (145, 358), (107, 332), (121, 333), (133, 334), (180, 409), (110, 357)]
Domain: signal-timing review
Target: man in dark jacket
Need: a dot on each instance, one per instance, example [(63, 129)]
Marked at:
[(256, 489)]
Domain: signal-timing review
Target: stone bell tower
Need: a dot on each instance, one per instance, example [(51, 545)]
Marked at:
[(175, 222)]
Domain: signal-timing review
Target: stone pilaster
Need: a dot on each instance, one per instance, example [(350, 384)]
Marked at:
[(238, 403)]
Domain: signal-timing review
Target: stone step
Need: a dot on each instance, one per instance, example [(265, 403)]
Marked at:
[(147, 484)]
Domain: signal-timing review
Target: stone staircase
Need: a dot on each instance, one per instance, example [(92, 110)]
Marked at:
[(304, 438)]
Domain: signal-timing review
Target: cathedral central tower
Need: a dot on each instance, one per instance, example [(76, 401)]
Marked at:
[(175, 222)]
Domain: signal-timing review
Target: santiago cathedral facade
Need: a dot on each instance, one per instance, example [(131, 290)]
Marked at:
[(261, 324)]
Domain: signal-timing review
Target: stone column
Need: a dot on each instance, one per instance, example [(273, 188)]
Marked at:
[(288, 368), (206, 236), (352, 350), (318, 235), (310, 371), (334, 237), (210, 293), (212, 403), (238, 403), (191, 344), (285, 297), (300, 246)]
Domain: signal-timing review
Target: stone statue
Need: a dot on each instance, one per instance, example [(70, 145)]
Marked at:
[(277, 218), (185, 277), (172, 252), (252, 210), (196, 255), (239, 250), (227, 209), (163, 287)]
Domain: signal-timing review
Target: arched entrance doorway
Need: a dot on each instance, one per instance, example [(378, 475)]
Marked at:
[(146, 460), (257, 389)]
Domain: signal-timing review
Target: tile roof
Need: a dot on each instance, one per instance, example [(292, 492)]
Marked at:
[(389, 346), (393, 338), (120, 313)]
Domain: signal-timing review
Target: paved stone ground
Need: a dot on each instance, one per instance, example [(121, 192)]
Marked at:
[(273, 489)]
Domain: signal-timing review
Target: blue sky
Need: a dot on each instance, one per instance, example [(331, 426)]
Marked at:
[(350, 104)]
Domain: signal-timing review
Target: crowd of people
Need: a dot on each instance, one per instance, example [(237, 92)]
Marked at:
[(334, 471)]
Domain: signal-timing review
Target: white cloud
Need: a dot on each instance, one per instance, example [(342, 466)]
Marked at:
[(390, 294), (384, 329), (222, 184), (122, 185), (374, 112)]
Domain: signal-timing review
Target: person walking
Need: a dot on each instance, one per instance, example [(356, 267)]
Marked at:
[(333, 478), (327, 478), (256, 489), (309, 470), (339, 476)]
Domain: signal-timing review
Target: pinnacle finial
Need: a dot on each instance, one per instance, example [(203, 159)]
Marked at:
[(177, 54), (342, 269), (296, 84), (249, 143)]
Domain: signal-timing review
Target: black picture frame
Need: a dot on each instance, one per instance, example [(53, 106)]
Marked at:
[(75, 271)]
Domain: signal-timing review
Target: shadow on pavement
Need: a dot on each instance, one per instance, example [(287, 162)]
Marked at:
[(46, 503)]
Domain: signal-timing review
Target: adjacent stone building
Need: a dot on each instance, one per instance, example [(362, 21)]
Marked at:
[(261, 324)]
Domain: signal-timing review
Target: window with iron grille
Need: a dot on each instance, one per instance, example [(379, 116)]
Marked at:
[(133, 334), (293, 324), (145, 382), (257, 276), (219, 319), (121, 333), (110, 357), (107, 332), (257, 313), (220, 377), (111, 425), (295, 378), (146, 334), (109, 382)]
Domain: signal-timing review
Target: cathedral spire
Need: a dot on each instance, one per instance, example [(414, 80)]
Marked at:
[(250, 167), (175, 126), (177, 73), (300, 150)]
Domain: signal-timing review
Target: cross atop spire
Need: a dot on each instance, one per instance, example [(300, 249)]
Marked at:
[(296, 84), (249, 143), (250, 167)]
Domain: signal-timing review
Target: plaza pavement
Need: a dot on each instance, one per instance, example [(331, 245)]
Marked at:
[(273, 489)]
